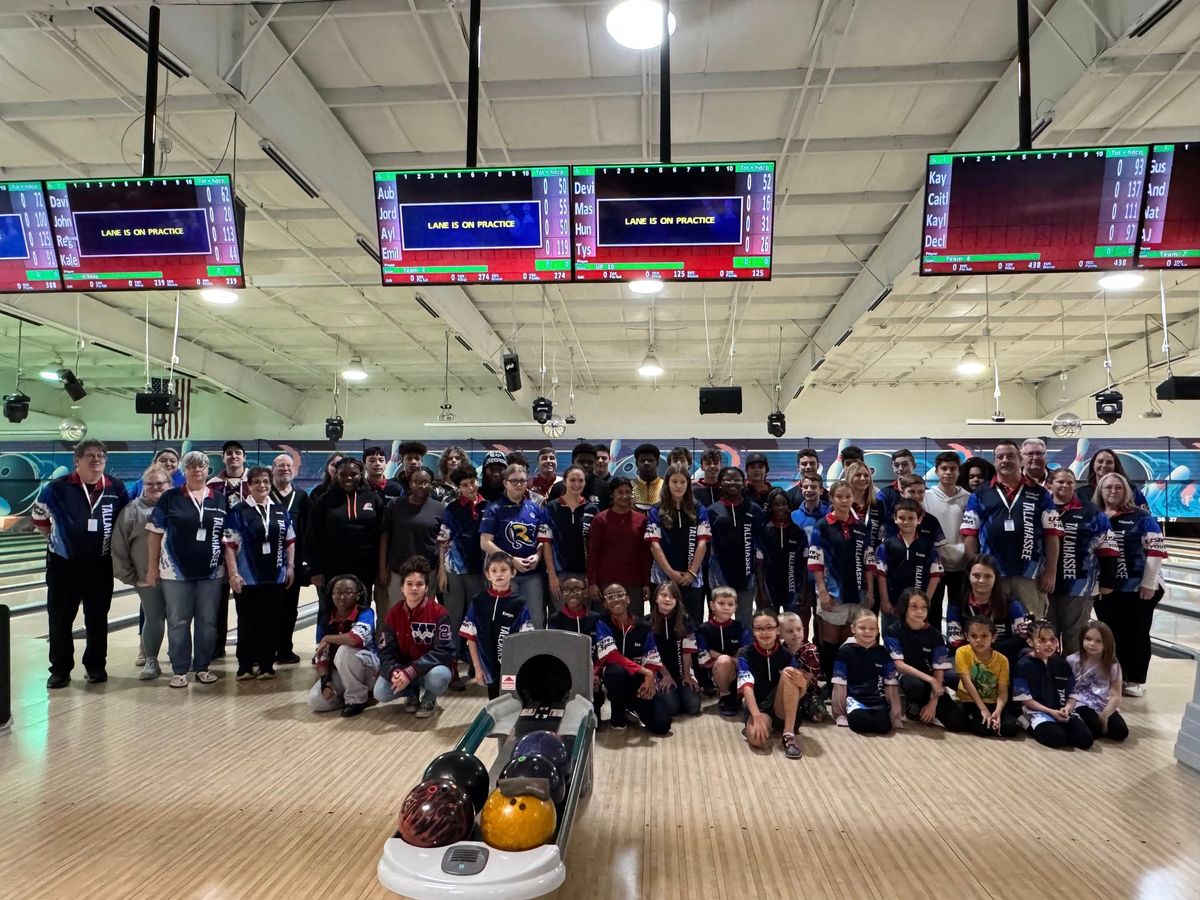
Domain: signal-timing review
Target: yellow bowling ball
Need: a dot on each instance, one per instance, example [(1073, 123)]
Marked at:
[(517, 823)]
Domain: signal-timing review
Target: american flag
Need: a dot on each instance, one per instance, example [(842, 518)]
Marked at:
[(173, 426)]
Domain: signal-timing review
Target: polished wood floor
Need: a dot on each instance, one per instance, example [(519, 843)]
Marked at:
[(237, 791)]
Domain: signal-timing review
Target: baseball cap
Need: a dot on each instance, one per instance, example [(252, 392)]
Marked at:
[(753, 458)]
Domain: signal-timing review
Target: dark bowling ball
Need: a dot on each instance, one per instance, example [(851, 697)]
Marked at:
[(464, 769), (534, 765), (436, 813), (549, 745)]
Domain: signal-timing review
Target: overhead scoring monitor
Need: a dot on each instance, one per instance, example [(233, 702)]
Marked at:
[(1059, 210), (1171, 222), (465, 226), (27, 258), (675, 222), (146, 233)]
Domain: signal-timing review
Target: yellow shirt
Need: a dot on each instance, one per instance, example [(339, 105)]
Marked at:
[(646, 495), (989, 678)]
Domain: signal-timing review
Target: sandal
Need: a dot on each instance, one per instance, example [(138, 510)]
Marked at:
[(206, 677), (179, 681)]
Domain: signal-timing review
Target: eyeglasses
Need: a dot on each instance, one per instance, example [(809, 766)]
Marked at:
[(517, 480), (617, 596), (765, 627), (346, 592), (94, 456), (155, 483)]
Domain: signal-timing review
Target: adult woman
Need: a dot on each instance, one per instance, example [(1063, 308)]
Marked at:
[(168, 459), (864, 502), (1084, 530), (617, 551), (260, 547), (563, 534), (345, 661), (1140, 549), (1102, 462), (410, 528), (343, 533), (975, 472), (331, 465), (679, 533), (131, 561), (184, 554), (452, 459), (510, 525), (839, 556)]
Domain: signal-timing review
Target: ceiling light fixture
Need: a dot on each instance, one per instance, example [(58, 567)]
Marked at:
[(646, 286), (970, 365), (1120, 281), (650, 367), (355, 371), (637, 24), (219, 296)]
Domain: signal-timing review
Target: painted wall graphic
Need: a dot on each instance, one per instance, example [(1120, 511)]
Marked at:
[(1168, 469)]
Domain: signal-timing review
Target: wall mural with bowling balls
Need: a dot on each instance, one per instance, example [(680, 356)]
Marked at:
[(1167, 469)]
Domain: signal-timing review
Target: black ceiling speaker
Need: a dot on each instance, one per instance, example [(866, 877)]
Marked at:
[(155, 403), (720, 400), (72, 385), (512, 372), (1179, 387)]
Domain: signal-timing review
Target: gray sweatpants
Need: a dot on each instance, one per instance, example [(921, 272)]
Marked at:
[(353, 674)]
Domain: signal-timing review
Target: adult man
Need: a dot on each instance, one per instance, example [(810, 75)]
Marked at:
[(603, 457), (298, 506), (411, 455), (374, 464), (594, 489), (707, 490), (76, 513), (1015, 521), (546, 476), (491, 488), (757, 486), (1033, 461), (737, 525), (231, 484), (647, 487), (807, 463), (903, 464), (946, 502)]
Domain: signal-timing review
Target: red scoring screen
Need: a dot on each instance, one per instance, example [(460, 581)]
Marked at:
[(1171, 224), (27, 258)]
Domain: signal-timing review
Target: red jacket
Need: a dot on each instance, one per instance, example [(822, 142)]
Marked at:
[(415, 640), (618, 551)]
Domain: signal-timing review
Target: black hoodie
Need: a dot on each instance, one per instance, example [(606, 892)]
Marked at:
[(343, 533)]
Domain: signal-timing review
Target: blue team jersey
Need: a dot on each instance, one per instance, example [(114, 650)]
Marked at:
[(761, 670), (1134, 538), (566, 531), (631, 646), (904, 565), (922, 648), (736, 532), (715, 639), (489, 620), (865, 672), (1010, 624), (513, 526), (191, 544), (459, 534), (678, 539), (1049, 682), (842, 550), (785, 564), (1084, 529), (260, 536), (80, 519), (1012, 528), (928, 527), (887, 497)]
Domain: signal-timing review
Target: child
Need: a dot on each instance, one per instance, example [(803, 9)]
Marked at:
[(807, 660), (675, 637), (983, 682), (492, 615), (1045, 686), (629, 665), (921, 659), (912, 487), (345, 660), (718, 641), (782, 576), (1098, 682), (866, 695), (985, 597), (907, 560), (575, 616), (771, 686)]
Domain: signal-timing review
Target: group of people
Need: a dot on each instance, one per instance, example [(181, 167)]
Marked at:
[(771, 600)]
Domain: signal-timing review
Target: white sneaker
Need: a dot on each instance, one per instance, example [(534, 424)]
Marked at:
[(1023, 721), (150, 670), (179, 681), (842, 721), (141, 657), (1133, 689)]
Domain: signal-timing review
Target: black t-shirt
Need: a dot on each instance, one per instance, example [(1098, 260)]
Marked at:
[(595, 490), (412, 531)]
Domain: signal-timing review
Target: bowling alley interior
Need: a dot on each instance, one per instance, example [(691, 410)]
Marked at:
[(600, 449)]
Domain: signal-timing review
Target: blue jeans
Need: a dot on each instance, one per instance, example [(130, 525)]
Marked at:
[(680, 700), (191, 606), (153, 612), (528, 587), (434, 683)]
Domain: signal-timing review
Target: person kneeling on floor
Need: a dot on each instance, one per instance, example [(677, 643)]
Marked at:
[(346, 661), (416, 645)]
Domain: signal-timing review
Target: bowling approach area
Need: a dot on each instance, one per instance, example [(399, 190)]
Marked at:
[(129, 790)]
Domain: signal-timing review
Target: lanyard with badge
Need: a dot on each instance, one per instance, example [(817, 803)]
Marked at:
[(93, 523), (1009, 524), (264, 513), (201, 532)]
